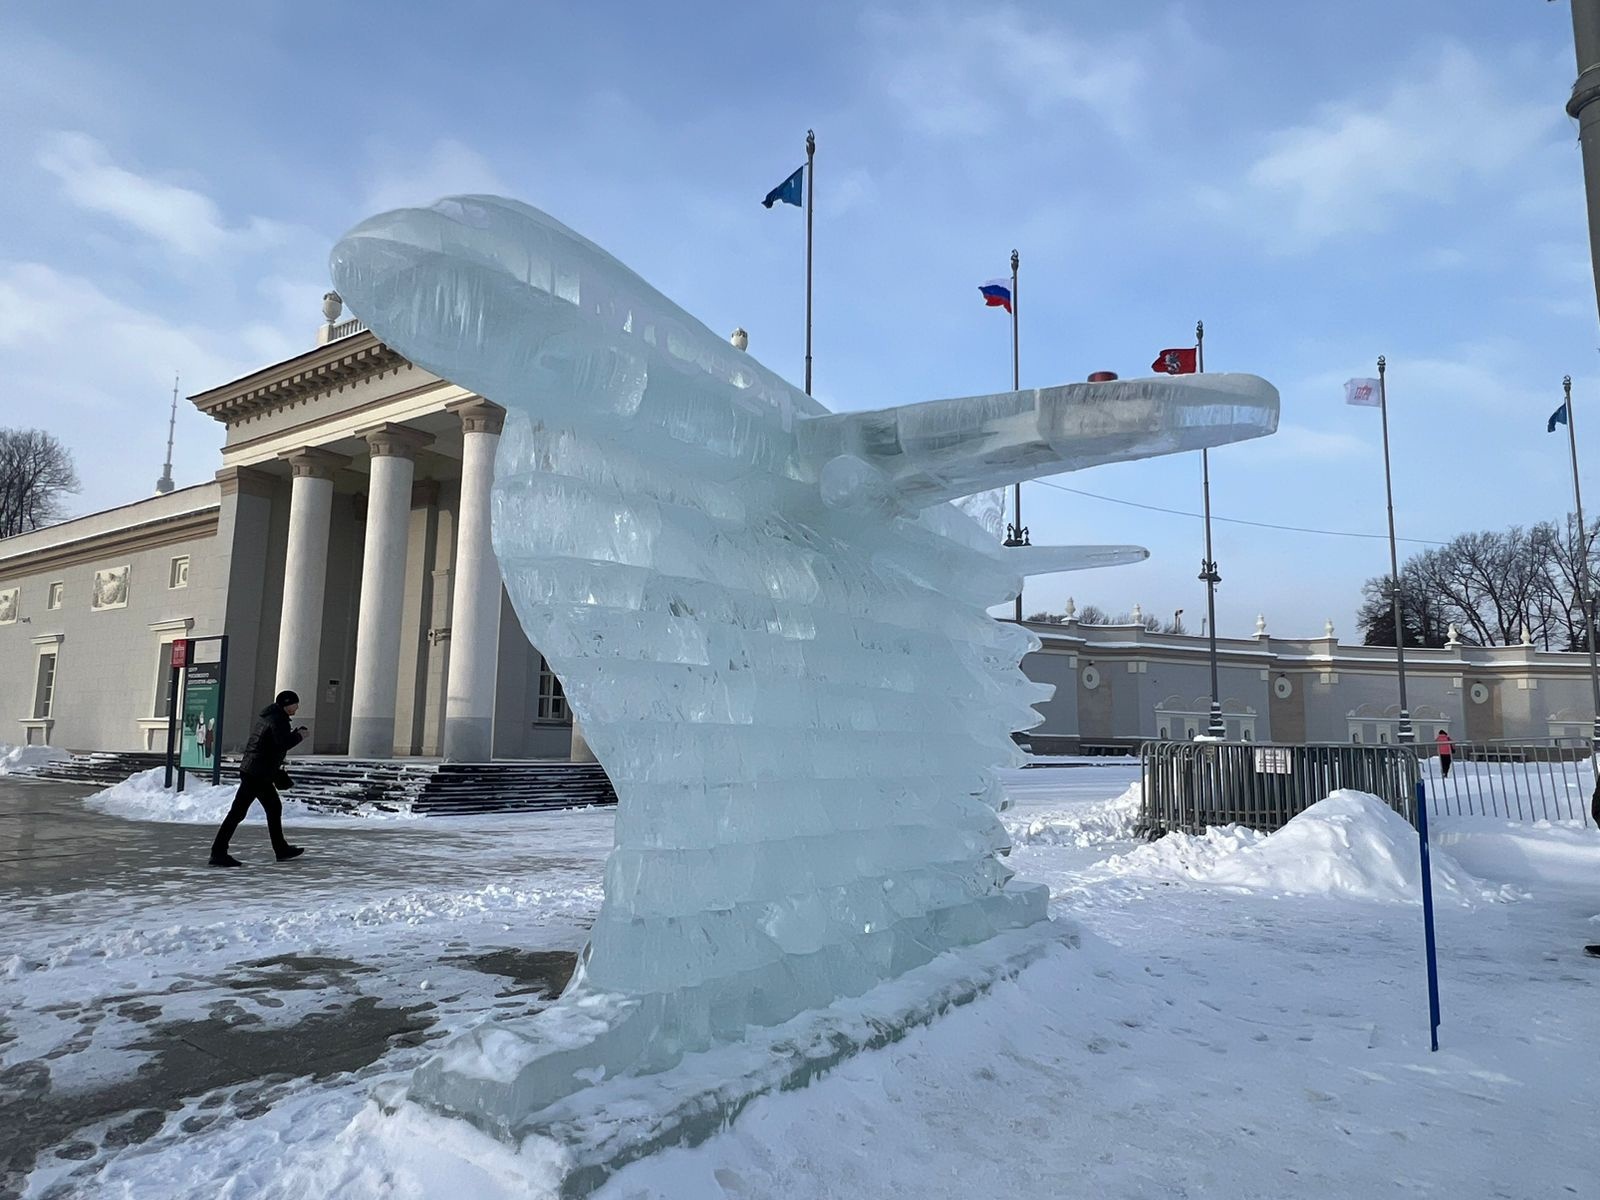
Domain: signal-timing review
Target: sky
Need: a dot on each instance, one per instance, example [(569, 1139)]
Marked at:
[(1320, 184)]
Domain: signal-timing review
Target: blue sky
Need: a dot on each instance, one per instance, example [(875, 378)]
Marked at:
[(1319, 183)]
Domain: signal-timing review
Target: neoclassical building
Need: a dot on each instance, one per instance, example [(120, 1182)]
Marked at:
[(344, 549)]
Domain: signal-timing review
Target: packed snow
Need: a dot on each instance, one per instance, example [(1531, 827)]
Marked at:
[(1245, 1016), (1351, 845), (146, 797), (1085, 825), (15, 760)]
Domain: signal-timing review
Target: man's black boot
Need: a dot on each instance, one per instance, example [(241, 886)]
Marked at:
[(289, 852), (224, 859)]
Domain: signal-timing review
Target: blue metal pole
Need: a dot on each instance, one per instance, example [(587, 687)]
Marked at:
[(1427, 915)]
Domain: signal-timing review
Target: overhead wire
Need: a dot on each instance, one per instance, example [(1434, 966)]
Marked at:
[(1178, 512)]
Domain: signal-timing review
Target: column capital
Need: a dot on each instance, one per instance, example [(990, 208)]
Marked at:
[(247, 480), (391, 440), (478, 415), (313, 462)]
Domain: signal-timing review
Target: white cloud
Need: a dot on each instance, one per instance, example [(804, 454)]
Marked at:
[(180, 218), (449, 168), (958, 74), (1300, 442), (98, 371), (1358, 162)]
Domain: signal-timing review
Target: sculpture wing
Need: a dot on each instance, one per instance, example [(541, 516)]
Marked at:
[(944, 449), (1048, 560)]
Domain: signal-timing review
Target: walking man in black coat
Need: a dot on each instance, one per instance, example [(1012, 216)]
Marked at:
[(259, 772)]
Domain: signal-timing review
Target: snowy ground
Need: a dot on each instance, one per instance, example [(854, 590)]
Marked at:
[(1245, 1017)]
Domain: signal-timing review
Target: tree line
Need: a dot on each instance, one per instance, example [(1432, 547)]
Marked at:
[(1093, 614), (36, 477), (1489, 585)]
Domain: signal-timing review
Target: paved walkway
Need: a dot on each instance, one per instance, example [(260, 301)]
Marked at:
[(145, 995)]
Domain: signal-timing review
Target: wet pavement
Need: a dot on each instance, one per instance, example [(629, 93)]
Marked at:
[(145, 995)]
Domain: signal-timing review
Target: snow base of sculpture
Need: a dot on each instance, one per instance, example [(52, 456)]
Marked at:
[(602, 1125)]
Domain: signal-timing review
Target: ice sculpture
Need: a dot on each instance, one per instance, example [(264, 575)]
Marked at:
[(770, 621)]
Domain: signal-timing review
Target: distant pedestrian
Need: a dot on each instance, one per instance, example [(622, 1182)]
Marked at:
[(1446, 749), (260, 776)]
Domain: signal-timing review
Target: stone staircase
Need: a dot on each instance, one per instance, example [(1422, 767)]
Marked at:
[(423, 788)]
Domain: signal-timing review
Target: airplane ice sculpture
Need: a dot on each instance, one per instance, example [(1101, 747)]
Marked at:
[(770, 622)]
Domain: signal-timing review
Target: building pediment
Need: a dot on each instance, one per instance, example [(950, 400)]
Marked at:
[(325, 369)]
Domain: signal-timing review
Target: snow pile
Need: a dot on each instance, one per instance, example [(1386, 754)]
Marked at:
[(19, 760), (1085, 825), (1351, 845), (142, 797)]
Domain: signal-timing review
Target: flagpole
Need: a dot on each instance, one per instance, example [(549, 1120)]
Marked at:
[(1208, 568), (811, 183), (1583, 562), (1404, 733), (1018, 534)]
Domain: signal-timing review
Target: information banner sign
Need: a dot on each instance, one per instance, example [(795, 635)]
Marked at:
[(1272, 760), (202, 716)]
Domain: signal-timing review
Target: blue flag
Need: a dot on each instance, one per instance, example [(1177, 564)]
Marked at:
[(788, 191), (1559, 417)]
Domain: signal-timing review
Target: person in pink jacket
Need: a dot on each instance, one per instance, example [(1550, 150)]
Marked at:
[(1446, 749)]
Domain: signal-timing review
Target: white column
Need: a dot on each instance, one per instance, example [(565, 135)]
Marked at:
[(580, 744), (305, 576), (383, 585), (475, 596)]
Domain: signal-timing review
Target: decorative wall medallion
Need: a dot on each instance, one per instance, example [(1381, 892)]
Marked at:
[(111, 588), (1282, 687), (1091, 677), (1479, 693)]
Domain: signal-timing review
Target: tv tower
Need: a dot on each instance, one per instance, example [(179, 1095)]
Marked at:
[(164, 484)]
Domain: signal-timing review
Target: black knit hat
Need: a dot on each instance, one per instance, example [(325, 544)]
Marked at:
[(285, 699)]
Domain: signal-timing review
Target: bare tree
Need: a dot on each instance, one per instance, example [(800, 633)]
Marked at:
[(1047, 618), (36, 477), (1490, 585), (1424, 622), (1562, 560)]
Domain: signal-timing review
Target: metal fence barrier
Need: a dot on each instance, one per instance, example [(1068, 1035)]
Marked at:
[(1529, 779), (1190, 785)]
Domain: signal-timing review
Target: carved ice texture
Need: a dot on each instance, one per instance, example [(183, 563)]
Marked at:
[(770, 621)]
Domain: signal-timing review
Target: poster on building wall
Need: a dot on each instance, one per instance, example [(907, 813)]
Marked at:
[(202, 705)]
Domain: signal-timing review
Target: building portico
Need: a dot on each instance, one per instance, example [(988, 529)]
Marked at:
[(365, 488)]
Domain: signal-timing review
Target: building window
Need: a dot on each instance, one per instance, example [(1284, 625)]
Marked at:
[(552, 700), (57, 593), (162, 707), (44, 692), (178, 572)]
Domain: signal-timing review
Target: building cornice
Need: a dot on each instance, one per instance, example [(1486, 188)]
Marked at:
[(323, 369), (1303, 656), (147, 535)]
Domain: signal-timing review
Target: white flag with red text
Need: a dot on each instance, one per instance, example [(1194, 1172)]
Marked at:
[(1363, 392)]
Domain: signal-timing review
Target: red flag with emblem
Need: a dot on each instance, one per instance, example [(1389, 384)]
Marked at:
[(1176, 362)]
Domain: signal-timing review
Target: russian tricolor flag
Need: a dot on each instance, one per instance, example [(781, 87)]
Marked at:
[(997, 293)]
